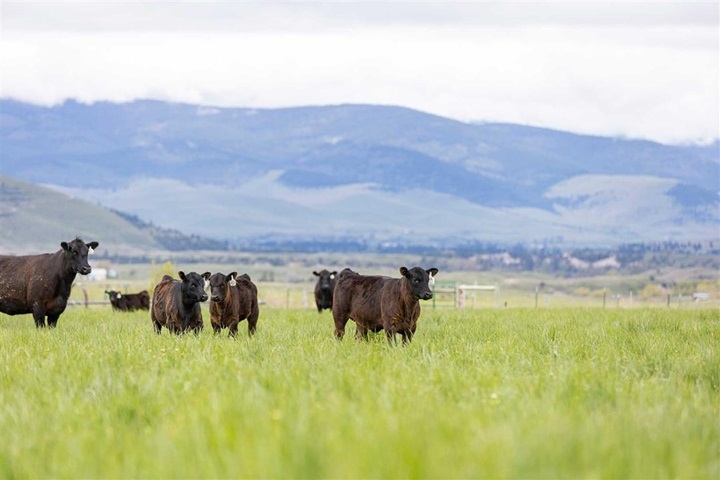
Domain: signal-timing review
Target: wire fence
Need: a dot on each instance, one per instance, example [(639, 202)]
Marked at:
[(447, 295)]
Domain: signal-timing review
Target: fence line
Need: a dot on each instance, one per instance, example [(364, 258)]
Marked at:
[(464, 296)]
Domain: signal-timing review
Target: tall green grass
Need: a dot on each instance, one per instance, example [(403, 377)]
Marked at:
[(515, 393)]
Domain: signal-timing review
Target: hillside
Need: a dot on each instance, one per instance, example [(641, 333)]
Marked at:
[(36, 219), (361, 171)]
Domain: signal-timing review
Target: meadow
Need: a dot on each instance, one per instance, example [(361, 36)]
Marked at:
[(498, 393)]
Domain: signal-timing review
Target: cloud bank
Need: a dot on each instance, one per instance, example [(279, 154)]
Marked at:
[(619, 69)]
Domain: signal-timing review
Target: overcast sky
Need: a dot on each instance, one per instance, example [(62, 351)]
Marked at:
[(634, 69)]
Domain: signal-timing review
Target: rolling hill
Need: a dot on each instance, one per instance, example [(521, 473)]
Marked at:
[(36, 219), (375, 173)]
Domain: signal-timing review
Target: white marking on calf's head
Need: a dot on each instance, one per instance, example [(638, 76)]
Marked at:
[(206, 277)]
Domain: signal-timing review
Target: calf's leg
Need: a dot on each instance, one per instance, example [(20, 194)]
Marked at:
[(233, 329), (39, 315), (197, 328), (155, 322), (340, 327), (252, 320), (361, 332), (52, 320)]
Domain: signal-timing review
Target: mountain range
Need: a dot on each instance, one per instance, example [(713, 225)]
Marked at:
[(375, 173)]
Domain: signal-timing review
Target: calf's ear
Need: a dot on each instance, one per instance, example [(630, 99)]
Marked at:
[(432, 272), (316, 274), (181, 274), (206, 276), (332, 274), (91, 247), (232, 279), (404, 271), (65, 246)]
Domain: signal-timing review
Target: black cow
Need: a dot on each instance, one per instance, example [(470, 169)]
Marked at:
[(40, 284), (324, 289), (232, 300), (128, 302), (377, 303), (176, 303)]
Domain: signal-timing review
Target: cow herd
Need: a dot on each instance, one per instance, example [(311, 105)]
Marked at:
[(40, 285)]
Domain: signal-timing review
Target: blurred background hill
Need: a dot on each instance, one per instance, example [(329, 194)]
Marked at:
[(359, 173)]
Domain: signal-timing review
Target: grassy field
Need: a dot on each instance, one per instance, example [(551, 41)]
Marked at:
[(499, 393)]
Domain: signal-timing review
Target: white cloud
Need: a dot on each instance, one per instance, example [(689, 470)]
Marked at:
[(184, 16), (608, 69)]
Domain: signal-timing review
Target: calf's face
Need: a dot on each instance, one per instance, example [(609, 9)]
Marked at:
[(326, 280), (76, 253), (193, 287), (219, 284), (114, 296), (419, 281)]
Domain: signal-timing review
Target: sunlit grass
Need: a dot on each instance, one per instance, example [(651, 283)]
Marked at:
[(486, 393)]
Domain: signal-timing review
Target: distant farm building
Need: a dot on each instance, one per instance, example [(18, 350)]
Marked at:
[(700, 296), (97, 275)]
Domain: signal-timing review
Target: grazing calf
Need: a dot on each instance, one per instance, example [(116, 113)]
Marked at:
[(130, 301), (176, 303), (375, 303), (40, 284), (324, 289), (232, 300)]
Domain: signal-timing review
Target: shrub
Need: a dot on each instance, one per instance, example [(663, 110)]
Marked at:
[(651, 290), (157, 273)]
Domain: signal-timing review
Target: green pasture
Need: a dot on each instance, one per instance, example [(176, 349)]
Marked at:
[(485, 392)]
